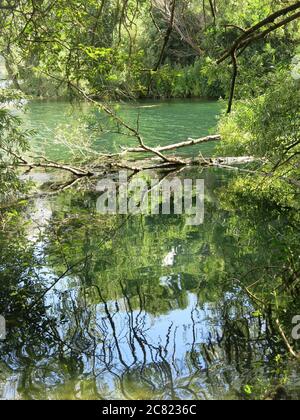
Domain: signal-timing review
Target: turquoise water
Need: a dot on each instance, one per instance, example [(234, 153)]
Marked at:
[(160, 123)]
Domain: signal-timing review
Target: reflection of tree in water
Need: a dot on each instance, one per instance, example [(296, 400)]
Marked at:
[(124, 323)]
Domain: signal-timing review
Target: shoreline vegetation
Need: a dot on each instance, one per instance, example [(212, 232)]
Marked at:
[(106, 60), (243, 42)]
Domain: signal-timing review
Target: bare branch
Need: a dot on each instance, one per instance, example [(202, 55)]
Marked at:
[(167, 35), (253, 34), (189, 142)]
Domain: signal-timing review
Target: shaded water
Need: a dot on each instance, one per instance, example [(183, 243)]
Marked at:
[(138, 307)]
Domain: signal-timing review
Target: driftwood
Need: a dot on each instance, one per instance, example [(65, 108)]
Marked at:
[(158, 160), (154, 163), (152, 159), (189, 142), (255, 33), (77, 172)]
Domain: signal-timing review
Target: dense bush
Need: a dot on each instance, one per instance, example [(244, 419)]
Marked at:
[(268, 127), (13, 143)]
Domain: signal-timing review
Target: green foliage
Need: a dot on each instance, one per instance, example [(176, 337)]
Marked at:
[(263, 192), (13, 143), (268, 125), (111, 51), (268, 128), (185, 82)]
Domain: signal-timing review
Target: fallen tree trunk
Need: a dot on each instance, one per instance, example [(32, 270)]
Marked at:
[(189, 142), (113, 164), (116, 162), (156, 163)]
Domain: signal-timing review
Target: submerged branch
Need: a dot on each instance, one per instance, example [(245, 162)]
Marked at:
[(43, 165)]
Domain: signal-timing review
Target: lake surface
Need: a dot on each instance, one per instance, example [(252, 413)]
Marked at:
[(160, 123), (142, 307)]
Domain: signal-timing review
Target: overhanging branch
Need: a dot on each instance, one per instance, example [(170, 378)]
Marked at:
[(254, 34)]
